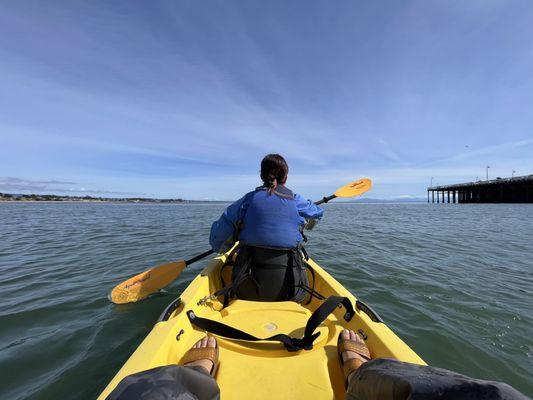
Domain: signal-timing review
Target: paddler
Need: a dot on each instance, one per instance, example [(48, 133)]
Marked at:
[(268, 223)]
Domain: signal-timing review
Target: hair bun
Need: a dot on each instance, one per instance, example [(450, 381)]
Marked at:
[(271, 181)]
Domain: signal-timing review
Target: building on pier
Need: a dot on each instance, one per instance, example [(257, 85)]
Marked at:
[(500, 190)]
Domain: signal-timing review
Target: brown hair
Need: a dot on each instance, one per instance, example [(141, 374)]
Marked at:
[(274, 170)]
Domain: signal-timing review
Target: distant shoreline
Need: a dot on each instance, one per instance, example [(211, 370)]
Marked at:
[(90, 201), (110, 202), (53, 198)]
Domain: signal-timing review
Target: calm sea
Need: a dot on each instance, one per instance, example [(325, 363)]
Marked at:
[(454, 281)]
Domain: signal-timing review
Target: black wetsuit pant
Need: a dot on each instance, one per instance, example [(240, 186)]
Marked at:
[(379, 379)]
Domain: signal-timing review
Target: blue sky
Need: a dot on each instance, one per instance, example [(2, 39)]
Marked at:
[(183, 98)]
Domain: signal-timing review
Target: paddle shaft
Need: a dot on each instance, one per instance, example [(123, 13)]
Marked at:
[(198, 257), (325, 199)]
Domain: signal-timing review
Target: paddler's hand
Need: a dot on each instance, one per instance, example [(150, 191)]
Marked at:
[(310, 224), (226, 246)]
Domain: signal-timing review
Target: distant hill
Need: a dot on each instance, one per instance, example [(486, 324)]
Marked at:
[(396, 200)]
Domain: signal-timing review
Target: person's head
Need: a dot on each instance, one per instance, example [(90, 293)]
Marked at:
[(274, 171)]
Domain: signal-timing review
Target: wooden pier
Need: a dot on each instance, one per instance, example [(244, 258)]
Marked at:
[(501, 190)]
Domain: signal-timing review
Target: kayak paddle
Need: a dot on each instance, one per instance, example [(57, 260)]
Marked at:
[(352, 189), (144, 284)]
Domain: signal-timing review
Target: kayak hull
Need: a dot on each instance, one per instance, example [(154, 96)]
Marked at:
[(264, 370)]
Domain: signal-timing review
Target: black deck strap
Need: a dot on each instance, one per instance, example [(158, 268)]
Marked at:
[(312, 293), (326, 308), (290, 343), (229, 332)]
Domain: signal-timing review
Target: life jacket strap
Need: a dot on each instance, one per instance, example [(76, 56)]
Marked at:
[(290, 343)]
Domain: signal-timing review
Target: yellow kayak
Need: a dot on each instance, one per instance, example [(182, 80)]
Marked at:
[(265, 370)]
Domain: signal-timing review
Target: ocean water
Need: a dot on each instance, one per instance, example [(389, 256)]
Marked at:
[(454, 281)]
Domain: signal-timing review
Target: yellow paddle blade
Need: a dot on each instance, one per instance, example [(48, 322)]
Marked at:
[(354, 188), (146, 283)]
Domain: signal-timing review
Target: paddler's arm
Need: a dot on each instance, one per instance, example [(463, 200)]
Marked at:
[(307, 209), (223, 229)]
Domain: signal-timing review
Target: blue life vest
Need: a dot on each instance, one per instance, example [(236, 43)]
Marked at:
[(271, 220)]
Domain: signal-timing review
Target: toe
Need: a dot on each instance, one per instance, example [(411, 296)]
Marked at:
[(211, 342), (353, 336), (204, 342), (346, 334)]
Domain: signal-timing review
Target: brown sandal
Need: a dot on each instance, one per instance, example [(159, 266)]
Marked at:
[(202, 353), (352, 364)]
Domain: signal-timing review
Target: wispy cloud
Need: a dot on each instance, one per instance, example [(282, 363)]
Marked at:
[(8, 180), (387, 151), (11, 184), (501, 149), (99, 192)]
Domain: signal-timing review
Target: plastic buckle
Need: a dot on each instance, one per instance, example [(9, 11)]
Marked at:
[(291, 348), (298, 344), (305, 343)]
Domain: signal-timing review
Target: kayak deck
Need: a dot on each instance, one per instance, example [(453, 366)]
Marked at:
[(268, 364), (264, 370)]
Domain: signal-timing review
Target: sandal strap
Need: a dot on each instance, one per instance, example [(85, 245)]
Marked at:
[(356, 347), (351, 365), (203, 353)]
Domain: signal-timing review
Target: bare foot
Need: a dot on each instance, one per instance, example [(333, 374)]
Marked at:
[(204, 363), (347, 355)]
